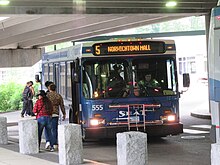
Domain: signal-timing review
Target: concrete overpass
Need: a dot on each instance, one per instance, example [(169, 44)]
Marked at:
[(31, 25)]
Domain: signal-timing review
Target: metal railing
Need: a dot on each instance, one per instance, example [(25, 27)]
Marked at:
[(145, 108)]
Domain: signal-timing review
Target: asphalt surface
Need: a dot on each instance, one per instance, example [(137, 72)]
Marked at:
[(189, 148)]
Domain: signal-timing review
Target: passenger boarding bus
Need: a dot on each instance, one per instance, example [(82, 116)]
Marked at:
[(118, 86)]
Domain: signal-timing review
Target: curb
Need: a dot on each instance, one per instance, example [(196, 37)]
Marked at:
[(200, 115)]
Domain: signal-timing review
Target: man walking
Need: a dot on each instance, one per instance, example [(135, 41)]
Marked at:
[(57, 102)]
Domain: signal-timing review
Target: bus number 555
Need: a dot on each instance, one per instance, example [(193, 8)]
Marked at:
[(97, 107)]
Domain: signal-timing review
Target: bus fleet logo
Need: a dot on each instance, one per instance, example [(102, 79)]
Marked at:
[(125, 113)]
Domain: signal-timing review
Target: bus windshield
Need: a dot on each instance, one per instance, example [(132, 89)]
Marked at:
[(138, 77)]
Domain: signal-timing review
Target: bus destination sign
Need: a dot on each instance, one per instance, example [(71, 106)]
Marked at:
[(128, 48)]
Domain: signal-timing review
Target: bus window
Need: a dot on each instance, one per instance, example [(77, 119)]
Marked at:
[(108, 78), (153, 77), (87, 85), (51, 72), (46, 72)]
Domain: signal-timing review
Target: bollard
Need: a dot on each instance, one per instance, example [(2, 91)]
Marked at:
[(3, 131), (132, 148), (28, 136), (215, 154), (70, 144)]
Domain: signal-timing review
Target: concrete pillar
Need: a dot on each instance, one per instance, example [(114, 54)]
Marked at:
[(3, 131), (215, 154), (28, 136), (132, 148), (70, 144)]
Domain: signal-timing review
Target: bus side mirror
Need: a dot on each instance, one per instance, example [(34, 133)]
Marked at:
[(186, 80), (37, 78), (75, 77), (76, 70)]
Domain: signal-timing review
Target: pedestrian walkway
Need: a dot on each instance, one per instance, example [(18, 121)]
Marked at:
[(8, 157), (9, 154)]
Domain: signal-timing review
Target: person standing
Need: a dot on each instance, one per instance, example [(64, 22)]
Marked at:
[(57, 102), (27, 95), (30, 100), (43, 109)]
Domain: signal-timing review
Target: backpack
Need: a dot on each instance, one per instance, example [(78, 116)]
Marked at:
[(26, 93)]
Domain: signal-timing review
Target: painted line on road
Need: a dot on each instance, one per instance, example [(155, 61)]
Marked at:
[(191, 131), (95, 162), (201, 126), (192, 137)]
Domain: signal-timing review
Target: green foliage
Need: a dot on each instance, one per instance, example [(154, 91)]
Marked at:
[(184, 24), (51, 48), (36, 86), (10, 97)]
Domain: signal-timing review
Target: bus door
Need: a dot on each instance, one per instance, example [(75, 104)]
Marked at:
[(57, 76), (74, 113)]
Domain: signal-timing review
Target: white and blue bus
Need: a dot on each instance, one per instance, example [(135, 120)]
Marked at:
[(84, 72), (214, 72)]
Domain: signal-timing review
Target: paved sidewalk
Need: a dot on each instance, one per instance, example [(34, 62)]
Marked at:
[(9, 154), (8, 157)]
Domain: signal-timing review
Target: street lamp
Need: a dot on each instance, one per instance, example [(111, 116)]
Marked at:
[(171, 4), (4, 2)]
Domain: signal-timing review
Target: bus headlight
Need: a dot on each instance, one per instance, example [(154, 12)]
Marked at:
[(94, 122), (171, 118), (97, 121), (168, 118)]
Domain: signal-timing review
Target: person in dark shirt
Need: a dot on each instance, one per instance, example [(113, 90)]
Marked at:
[(27, 96), (30, 104), (115, 83)]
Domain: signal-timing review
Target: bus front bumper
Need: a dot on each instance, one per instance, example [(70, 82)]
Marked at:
[(151, 130)]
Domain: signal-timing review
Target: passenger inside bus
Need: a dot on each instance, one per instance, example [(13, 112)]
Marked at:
[(148, 85), (115, 83)]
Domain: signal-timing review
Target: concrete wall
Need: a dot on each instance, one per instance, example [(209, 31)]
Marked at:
[(19, 57)]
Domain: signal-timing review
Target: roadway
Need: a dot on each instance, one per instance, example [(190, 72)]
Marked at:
[(190, 148)]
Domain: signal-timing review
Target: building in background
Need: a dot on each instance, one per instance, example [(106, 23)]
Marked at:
[(19, 75)]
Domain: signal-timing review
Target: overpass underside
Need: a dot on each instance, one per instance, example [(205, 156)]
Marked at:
[(19, 57), (105, 6), (33, 25)]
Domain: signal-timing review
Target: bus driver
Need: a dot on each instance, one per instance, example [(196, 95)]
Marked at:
[(146, 84)]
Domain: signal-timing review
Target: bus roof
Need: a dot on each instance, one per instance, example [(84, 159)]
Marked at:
[(86, 50)]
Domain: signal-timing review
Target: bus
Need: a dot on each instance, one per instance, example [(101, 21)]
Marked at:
[(214, 72), (105, 104)]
